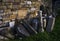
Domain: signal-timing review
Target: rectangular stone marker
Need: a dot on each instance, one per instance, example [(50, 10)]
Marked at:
[(22, 30), (29, 28), (50, 24)]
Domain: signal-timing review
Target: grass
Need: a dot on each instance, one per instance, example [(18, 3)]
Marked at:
[(45, 36)]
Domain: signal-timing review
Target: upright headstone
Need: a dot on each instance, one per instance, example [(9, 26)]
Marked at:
[(35, 24), (50, 24)]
